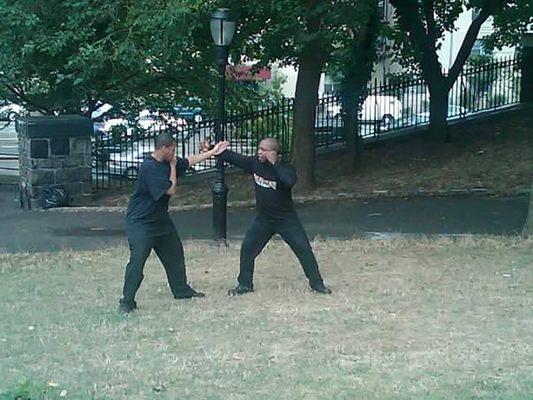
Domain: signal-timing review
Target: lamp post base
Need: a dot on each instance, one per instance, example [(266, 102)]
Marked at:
[(220, 200)]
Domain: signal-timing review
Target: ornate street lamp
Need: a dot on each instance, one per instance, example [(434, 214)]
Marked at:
[(222, 31)]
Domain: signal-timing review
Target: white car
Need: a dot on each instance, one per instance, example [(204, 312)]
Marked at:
[(128, 162), (155, 120), (453, 113), (375, 108), (10, 112)]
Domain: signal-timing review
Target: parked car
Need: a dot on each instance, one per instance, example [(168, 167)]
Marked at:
[(10, 112), (386, 109), (127, 162), (453, 112), (159, 120), (190, 114)]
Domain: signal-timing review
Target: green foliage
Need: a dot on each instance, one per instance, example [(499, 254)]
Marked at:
[(280, 31), (510, 21), (27, 390), (65, 56)]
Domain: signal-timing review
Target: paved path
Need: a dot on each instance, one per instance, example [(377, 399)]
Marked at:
[(54, 230)]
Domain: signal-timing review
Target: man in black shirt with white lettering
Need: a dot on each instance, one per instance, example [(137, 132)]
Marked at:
[(275, 214), (148, 223)]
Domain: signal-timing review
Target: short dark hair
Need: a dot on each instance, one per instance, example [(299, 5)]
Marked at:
[(165, 139)]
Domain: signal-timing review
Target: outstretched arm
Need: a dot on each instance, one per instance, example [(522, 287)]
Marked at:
[(215, 151), (231, 157)]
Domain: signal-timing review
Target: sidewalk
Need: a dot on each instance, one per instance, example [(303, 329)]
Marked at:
[(56, 230)]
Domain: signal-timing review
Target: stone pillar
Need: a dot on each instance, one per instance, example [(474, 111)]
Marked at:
[(55, 152), (526, 87)]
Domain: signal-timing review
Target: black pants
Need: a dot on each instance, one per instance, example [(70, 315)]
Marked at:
[(292, 232), (169, 250)]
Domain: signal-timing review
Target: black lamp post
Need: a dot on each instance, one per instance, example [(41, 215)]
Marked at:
[(222, 30)]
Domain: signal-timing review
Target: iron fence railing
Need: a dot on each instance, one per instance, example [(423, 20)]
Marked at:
[(387, 108)]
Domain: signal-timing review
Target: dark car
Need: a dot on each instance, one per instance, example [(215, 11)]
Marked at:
[(190, 114)]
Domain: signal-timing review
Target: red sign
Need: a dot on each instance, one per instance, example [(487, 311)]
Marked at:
[(247, 73)]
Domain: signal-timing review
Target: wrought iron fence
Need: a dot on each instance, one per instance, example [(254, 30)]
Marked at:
[(387, 108)]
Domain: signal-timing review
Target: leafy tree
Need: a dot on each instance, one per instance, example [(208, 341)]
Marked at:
[(421, 26), (307, 34), (68, 56)]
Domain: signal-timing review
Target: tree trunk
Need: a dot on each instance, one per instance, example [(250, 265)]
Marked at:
[(358, 71), (352, 158), (438, 110), (528, 226), (305, 101)]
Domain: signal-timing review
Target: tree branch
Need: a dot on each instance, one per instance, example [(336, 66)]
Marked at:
[(21, 97), (409, 18), (466, 46), (429, 13)]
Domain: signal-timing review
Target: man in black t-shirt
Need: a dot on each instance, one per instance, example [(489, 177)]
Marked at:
[(275, 214), (148, 223)]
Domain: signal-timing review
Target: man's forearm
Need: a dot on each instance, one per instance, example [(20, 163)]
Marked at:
[(196, 158), (287, 176), (237, 159), (173, 178)]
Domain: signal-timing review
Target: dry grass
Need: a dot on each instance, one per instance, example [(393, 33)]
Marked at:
[(446, 319)]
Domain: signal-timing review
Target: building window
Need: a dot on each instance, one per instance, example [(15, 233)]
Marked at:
[(383, 6), (478, 49)]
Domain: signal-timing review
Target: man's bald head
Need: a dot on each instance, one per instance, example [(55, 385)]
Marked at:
[(270, 144)]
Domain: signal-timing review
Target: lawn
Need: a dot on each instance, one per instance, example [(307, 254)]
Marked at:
[(427, 319)]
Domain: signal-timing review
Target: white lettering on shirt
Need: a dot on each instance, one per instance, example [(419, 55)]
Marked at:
[(259, 180)]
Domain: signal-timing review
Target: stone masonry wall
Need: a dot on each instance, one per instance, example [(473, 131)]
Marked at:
[(52, 155)]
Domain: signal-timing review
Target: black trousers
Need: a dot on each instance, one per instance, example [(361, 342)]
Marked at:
[(292, 232), (169, 249)]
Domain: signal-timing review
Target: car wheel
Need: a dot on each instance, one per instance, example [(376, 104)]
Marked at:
[(132, 173), (12, 116), (388, 120)]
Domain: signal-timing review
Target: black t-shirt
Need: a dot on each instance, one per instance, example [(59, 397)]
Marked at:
[(147, 213), (273, 183)]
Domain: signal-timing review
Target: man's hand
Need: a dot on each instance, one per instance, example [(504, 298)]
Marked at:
[(204, 146), (214, 150), (207, 151), (272, 157), (220, 147)]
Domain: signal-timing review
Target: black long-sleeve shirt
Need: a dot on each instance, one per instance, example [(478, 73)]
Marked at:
[(273, 183)]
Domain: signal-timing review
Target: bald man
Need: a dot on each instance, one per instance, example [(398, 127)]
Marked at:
[(273, 182)]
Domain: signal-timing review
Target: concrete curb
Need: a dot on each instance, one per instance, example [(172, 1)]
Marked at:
[(310, 199)]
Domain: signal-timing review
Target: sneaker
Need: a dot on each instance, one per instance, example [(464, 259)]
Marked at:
[(189, 293), (240, 289), (322, 289), (125, 307)]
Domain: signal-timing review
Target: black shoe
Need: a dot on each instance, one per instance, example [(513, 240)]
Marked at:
[(189, 293), (322, 289), (126, 307), (240, 289)]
